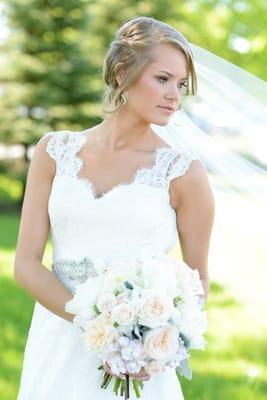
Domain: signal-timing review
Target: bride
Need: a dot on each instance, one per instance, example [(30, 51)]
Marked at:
[(115, 191)]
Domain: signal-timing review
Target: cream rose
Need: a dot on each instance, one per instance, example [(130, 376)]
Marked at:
[(161, 343), (106, 302), (123, 314), (155, 309), (99, 333), (122, 298)]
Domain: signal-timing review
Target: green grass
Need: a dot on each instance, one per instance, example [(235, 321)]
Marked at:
[(10, 189), (233, 366)]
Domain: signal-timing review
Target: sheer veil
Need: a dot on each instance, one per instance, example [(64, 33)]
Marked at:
[(225, 125), (232, 102)]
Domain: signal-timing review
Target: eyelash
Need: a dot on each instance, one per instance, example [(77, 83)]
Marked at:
[(184, 84)]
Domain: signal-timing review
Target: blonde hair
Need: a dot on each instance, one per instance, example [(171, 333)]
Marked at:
[(132, 50)]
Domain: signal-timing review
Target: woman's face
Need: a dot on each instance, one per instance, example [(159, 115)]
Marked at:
[(160, 85)]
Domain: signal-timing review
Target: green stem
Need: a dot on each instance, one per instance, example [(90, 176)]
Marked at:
[(141, 384), (122, 389), (136, 388), (108, 381), (117, 385), (127, 389), (106, 376)]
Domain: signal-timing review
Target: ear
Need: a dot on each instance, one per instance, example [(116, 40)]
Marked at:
[(120, 75)]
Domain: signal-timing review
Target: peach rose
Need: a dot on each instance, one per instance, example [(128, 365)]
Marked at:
[(99, 333), (161, 343), (155, 309), (123, 314)]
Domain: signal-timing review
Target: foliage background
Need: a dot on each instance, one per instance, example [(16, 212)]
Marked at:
[(50, 63)]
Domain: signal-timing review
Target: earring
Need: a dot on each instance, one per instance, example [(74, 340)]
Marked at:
[(123, 99)]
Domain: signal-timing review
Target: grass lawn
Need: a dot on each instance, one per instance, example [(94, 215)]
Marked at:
[(233, 366)]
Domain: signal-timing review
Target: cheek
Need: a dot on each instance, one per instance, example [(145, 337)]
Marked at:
[(153, 89), (148, 89)]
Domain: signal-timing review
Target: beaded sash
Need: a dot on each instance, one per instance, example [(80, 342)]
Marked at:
[(74, 270)]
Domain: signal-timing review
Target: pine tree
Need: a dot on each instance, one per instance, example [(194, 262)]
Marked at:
[(49, 82)]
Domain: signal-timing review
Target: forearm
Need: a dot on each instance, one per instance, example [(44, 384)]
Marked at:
[(206, 287), (44, 287)]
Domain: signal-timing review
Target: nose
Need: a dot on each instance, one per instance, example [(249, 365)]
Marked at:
[(174, 95)]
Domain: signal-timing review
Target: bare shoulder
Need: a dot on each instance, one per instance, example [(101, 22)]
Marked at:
[(41, 159), (193, 184)]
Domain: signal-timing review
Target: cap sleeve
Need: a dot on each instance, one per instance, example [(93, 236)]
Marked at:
[(180, 164), (63, 147), (56, 146)]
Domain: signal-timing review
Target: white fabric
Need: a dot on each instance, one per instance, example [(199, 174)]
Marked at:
[(132, 220)]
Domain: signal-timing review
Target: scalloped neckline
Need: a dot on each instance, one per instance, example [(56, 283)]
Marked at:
[(130, 182)]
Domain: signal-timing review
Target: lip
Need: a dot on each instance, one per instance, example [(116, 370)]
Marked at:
[(167, 109)]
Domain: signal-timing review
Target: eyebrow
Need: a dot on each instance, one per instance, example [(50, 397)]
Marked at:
[(168, 73)]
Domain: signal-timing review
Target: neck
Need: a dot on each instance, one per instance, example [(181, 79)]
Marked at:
[(124, 130)]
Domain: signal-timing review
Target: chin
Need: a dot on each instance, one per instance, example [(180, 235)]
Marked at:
[(161, 122)]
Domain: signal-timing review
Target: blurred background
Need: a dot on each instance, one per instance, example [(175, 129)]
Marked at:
[(51, 54)]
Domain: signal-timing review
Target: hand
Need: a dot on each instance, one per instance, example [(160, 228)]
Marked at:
[(142, 375)]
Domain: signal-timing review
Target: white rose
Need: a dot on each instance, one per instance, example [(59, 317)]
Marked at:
[(85, 297), (123, 314), (193, 324), (113, 282), (155, 309), (176, 317), (122, 298), (99, 333), (159, 275), (106, 302), (162, 343), (188, 280)]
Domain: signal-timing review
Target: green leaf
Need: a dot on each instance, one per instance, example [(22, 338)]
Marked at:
[(96, 309), (184, 370), (128, 285), (176, 301), (185, 340)]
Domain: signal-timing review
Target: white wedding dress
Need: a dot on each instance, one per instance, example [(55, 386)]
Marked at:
[(132, 220)]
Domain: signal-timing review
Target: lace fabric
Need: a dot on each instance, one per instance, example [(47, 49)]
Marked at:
[(132, 221), (168, 163)]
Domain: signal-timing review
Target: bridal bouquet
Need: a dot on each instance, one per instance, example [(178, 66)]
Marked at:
[(141, 314)]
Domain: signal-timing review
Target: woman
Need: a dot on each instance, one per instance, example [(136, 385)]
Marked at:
[(115, 191)]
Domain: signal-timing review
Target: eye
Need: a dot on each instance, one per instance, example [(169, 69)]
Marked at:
[(184, 84), (164, 78)]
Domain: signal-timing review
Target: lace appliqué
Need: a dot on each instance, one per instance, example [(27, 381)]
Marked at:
[(179, 165), (78, 271), (168, 163), (151, 176), (62, 147)]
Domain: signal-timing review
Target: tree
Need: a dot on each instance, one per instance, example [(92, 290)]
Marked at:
[(48, 84)]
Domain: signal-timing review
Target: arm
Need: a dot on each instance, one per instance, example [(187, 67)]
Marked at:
[(29, 272), (195, 208)]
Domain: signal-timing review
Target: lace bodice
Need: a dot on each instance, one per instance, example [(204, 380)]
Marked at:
[(131, 221)]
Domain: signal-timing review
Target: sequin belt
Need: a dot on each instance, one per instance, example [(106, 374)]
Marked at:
[(74, 270)]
